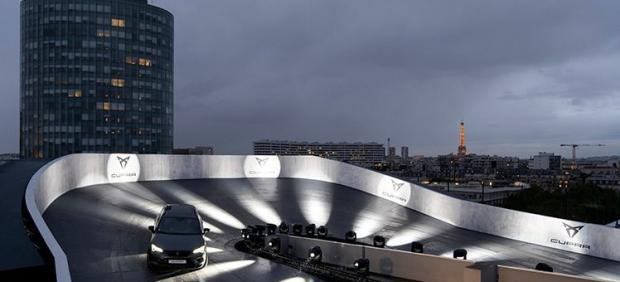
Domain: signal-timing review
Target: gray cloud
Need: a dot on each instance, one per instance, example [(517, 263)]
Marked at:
[(524, 75)]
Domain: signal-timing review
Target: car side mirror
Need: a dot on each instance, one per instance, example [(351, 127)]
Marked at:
[(152, 228), (206, 230)]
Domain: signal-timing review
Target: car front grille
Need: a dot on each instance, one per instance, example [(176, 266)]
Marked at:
[(177, 253)]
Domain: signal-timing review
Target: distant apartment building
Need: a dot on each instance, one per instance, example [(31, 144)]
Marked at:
[(200, 150), (545, 161), (391, 152), (605, 174), (473, 165), (360, 154), (404, 152), (474, 192)]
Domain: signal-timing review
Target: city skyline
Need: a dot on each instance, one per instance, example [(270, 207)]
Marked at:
[(333, 71)]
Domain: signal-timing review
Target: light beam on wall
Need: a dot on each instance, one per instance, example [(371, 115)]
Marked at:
[(406, 236), (124, 196), (212, 228), (115, 215), (316, 206), (206, 208), (296, 279), (259, 208), (477, 254), (253, 201), (367, 223), (138, 189)]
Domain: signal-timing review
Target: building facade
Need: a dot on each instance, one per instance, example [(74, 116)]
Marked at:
[(96, 76), (404, 152), (545, 161), (391, 154), (360, 154), (474, 192), (200, 150)]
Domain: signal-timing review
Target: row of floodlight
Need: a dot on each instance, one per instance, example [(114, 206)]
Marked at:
[(254, 233), (315, 254), (321, 232)]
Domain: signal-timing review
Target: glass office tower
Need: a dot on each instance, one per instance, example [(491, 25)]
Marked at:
[(96, 76)]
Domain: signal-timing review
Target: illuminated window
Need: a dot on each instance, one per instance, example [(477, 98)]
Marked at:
[(118, 22), (103, 33), (117, 82), (130, 60), (75, 93), (106, 107), (144, 62)]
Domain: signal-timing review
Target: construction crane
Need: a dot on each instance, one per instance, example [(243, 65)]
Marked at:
[(574, 146)]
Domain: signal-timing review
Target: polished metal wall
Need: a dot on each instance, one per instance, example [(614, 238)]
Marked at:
[(81, 170)]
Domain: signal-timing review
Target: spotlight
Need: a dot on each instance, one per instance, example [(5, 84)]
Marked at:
[(417, 247), (460, 253), (297, 229), (274, 245), (350, 237), (322, 232), (362, 266), (315, 254), (245, 234), (259, 230), (310, 230), (544, 267), (271, 229), (283, 228), (378, 241)]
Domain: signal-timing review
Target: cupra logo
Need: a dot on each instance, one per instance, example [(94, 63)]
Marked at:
[(394, 190), (396, 186), (261, 166), (261, 162), (572, 230), (123, 161)]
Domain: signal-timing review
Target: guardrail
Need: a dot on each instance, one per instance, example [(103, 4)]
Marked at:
[(389, 262), (80, 170)]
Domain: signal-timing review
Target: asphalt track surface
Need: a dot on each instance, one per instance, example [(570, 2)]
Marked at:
[(103, 229)]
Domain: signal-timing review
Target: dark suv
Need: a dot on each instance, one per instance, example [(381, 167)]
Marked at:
[(178, 239)]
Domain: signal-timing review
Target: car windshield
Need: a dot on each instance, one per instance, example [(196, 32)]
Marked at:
[(179, 225)]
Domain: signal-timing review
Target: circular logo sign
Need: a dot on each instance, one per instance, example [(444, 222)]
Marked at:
[(395, 190), (261, 167), (123, 168)]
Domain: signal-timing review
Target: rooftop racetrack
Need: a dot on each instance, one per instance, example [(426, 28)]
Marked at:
[(103, 228)]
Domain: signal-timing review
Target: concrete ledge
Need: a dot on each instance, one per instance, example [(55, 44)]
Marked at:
[(420, 267), (514, 274), (389, 262)]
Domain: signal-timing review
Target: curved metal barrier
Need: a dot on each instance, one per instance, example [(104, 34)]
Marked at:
[(80, 170)]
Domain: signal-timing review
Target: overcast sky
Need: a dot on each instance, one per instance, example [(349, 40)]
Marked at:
[(525, 76)]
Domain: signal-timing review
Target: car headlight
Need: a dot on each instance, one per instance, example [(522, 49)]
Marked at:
[(156, 249), (199, 250)]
